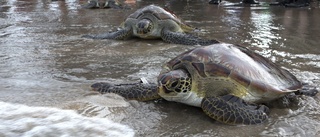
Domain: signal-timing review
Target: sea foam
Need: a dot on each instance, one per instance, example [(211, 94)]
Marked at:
[(25, 121)]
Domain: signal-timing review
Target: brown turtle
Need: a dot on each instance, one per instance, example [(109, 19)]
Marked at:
[(228, 82), (153, 22)]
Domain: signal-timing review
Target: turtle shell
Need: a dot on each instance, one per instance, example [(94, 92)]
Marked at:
[(160, 14), (236, 65)]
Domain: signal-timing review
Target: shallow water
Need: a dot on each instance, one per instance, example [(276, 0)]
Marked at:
[(45, 62), (23, 121)]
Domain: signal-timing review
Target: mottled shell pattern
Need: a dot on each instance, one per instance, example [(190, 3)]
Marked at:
[(160, 14), (230, 69)]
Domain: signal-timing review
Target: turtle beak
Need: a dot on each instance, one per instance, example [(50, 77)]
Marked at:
[(143, 26), (162, 81), (141, 30), (166, 94), (160, 88), (162, 91), (99, 5)]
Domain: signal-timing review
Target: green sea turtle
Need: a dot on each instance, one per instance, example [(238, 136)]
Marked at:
[(291, 3), (235, 4), (153, 22), (229, 82), (103, 4)]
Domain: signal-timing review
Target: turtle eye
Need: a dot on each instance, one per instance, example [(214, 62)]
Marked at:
[(172, 86), (175, 86), (149, 27)]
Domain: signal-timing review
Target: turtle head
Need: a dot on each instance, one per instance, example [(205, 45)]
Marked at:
[(144, 26), (174, 83), (112, 4)]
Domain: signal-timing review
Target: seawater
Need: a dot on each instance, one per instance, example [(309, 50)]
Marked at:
[(19, 120), (45, 63)]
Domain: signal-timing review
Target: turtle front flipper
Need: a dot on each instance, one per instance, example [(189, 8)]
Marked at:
[(136, 91), (184, 39), (233, 110), (121, 34)]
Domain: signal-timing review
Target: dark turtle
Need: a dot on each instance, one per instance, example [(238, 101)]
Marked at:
[(103, 4), (291, 3), (153, 22), (242, 2), (228, 82)]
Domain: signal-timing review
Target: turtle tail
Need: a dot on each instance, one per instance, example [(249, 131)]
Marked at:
[(135, 91)]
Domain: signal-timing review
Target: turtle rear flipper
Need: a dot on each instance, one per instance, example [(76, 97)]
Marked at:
[(307, 90), (118, 35), (233, 110), (184, 39), (135, 91)]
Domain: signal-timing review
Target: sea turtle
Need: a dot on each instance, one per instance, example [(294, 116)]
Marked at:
[(236, 4), (229, 82), (153, 22), (103, 4), (291, 3)]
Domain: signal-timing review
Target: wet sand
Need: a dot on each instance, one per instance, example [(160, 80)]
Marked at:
[(45, 62)]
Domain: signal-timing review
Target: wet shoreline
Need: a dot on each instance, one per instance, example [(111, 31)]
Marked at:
[(45, 62)]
